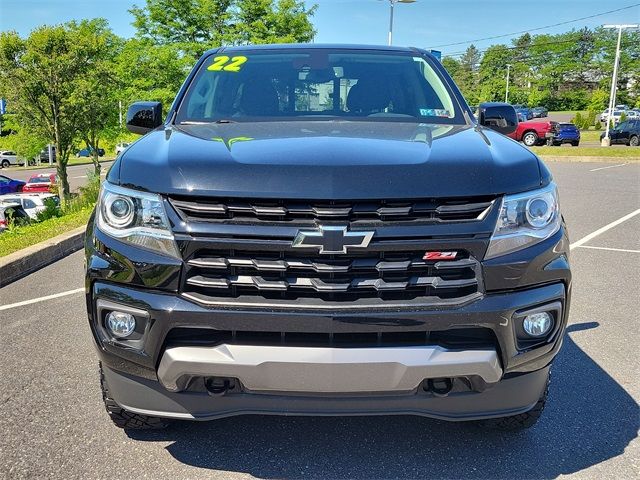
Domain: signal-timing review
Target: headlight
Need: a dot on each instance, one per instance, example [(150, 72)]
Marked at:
[(525, 219), (135, 217)]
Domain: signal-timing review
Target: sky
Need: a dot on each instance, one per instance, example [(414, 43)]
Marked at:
[(426, 23)]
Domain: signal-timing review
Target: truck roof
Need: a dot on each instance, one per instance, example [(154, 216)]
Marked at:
[(310, 46)]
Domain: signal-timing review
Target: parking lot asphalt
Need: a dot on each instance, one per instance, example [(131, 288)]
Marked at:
[(53, 424)]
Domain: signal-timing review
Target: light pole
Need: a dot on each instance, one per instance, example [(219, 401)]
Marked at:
[(506, 93), (391, 4), (606, 141)]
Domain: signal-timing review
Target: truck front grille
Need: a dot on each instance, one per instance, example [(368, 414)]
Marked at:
[(308, 212), (473, 337), (294, 275)]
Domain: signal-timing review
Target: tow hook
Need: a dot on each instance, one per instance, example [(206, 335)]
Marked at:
[(217, 387), (440, 387)]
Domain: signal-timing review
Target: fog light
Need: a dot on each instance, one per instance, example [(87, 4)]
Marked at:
[(537, 324), (121, 324)]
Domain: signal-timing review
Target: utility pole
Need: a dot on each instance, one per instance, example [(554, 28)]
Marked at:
[(506, 94), (120, 112), (606, 141), (391, 5)]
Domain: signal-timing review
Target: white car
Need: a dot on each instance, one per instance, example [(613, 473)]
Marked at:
[(9, 212), (604, 116), (8, 158), (32, 203), (121, 147)]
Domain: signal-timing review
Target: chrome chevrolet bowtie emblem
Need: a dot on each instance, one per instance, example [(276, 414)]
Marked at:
[(332, 239)]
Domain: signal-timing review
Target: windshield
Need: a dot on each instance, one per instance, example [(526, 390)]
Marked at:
[(318, 84), (40, 180)]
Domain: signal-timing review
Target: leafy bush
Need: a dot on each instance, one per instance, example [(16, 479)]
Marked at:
[(51, 210), (88, 195), (578, 120), (13, 221), (583, 120), (599, 99)]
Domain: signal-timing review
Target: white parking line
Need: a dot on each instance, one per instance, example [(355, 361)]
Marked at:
[(611, 249), (610, 166), (593, 235), (41, 299)]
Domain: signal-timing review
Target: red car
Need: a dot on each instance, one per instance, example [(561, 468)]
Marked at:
[(42, 182), (533, 133)]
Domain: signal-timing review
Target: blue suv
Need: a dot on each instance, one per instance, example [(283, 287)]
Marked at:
[(523, 112), (566, 133)]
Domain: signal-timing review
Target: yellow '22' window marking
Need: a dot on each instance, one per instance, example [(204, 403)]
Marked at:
[(224, 63)]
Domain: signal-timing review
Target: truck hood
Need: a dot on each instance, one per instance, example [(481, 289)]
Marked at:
[(327, 160)]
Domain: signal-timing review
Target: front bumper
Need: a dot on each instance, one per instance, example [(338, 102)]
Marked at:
[(267, 368), (156, 379), (153, 376), (511, 396)]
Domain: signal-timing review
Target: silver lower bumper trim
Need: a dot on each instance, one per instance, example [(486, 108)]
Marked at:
[(325, 370)]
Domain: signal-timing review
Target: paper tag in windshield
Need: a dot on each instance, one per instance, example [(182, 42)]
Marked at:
[(435, 112)]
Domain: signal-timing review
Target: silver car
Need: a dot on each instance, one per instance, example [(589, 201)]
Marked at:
[(8, 158)]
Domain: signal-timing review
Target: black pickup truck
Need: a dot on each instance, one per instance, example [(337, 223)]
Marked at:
[(325, 230)]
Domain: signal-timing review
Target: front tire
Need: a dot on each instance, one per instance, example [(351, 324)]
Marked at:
[(521, 421), (634, 141), (122, 418), (6, 164), (575, 144), (530, 139)]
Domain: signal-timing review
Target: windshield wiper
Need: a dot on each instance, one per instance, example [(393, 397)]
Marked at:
[(194, 122)]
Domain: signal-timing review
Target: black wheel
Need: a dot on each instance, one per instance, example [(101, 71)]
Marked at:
[(121, 418), (522, 420), (634, 141), (575, 144), (6, 164), (530, 139)]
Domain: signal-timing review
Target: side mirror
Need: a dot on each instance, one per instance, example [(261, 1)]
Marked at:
[(142, 117), (500, 117)]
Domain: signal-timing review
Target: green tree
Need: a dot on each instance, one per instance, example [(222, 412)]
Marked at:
[(599, 100), (197, 25), (492, 74), (36, 77), (95, 92), (192, 25), (149, 72), (24, 142), (40, 76), (273, 21), (451, 64)]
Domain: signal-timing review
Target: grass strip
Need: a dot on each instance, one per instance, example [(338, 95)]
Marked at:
[(17, 238), (630, 153)]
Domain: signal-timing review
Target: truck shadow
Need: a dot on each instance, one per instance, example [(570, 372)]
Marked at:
[(589, 418)]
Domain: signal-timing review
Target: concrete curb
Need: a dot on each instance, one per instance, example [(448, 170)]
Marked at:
[(585, 159), (23, 262)]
